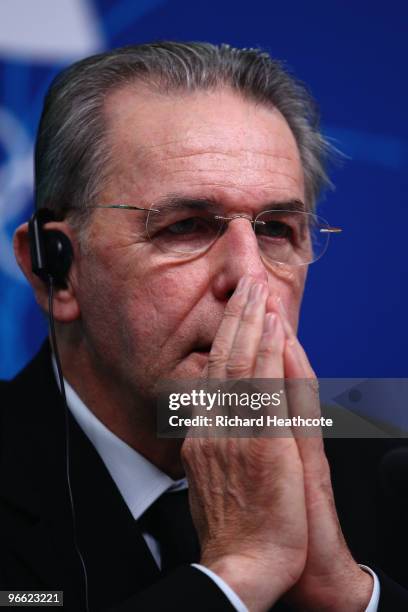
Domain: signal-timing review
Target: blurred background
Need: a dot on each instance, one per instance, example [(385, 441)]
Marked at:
[(353, 57)]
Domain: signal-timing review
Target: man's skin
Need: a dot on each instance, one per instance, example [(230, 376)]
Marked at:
[(132, 316)]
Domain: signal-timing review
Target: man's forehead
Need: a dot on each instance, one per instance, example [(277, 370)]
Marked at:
[(203, 144), (154, 125)]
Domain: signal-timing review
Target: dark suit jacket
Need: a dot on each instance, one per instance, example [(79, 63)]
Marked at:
[(37, 549)]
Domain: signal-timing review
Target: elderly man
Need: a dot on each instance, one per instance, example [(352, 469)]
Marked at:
[(179, 182)]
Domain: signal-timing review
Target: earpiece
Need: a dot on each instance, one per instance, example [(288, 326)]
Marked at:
[(51, 258), (51, 250)]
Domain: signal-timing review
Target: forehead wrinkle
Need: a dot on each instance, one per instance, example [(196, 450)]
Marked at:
[(211, 185), (227, 178), (256, 157), (215, 151), (229, 172), (202, 142), (225, 163), (231, 180)]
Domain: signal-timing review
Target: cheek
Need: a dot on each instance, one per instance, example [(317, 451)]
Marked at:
[(134, 303), (160, 306), (156, 303), (101, 306)]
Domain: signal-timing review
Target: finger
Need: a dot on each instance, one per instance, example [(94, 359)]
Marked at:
[(301, 381), (300, 361), (274, 304), (303, 400), (294, 362), (245, 345), (269, 362), (224, 337), (304, 390)]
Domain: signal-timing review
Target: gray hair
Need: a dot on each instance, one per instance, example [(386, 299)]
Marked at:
[(72, 153)]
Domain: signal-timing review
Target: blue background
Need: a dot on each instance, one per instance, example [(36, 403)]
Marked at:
[(353, 57)]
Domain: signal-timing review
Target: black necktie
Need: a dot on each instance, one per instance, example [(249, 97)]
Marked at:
[(169, 521)]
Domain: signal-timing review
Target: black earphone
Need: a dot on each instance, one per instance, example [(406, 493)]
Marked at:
[(51, 250), (51, 258)]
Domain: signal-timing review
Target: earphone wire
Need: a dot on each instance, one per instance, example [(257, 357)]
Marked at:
[(67, 436)]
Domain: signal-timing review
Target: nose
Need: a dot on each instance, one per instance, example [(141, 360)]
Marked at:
[(234, 255)]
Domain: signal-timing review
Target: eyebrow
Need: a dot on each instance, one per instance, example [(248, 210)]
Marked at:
[(175, 202), (178, 202)]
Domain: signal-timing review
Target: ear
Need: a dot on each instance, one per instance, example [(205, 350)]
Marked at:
[(66, 307)]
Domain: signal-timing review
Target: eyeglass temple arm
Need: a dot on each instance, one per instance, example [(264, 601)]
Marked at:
[(331, 230)]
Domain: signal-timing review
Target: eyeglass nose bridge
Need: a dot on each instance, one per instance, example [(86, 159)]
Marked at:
[(227, 220)]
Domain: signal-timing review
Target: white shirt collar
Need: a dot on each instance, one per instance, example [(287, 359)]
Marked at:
[(138, 480)]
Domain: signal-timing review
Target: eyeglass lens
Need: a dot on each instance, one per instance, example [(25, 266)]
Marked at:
[(288, 237)]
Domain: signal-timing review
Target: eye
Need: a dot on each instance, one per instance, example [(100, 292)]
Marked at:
[(182, 231), (185, 226), (188, 226), (276, 229)]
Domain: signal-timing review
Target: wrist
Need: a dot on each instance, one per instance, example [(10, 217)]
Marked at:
[(355, 594), (342, 593), (258, 586)]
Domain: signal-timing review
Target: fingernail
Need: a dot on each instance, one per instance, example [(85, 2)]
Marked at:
[(257, 292), (270, 323), (280, 304), (286, 325), (242, 284)]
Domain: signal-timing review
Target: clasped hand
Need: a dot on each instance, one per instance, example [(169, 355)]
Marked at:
[(263, 507)]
